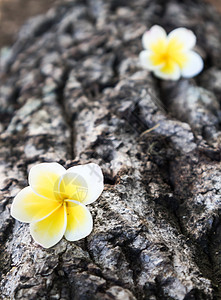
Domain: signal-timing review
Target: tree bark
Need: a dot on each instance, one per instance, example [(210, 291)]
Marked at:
[(73, 92)]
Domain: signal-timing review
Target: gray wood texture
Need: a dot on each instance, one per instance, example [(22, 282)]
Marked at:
[(72, 91)]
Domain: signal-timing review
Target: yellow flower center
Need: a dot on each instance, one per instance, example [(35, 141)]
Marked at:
[(70, 188), (166, 53)]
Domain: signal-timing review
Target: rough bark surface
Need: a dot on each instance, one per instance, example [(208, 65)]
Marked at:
[(73, 92)]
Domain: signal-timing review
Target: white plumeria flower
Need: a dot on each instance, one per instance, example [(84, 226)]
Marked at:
[(170, 57), (54, 203)]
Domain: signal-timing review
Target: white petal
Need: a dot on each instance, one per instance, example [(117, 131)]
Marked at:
[(194, 65), (83, 183), (184, 36), (50, 231), (28, 206), (44, 179), (172, 75), (79, 221), (151, 36), (146, 62)]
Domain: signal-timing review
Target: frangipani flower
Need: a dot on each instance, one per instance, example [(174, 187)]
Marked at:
[(170, 57), (54, 203)]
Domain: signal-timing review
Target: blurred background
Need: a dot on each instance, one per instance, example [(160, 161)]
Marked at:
[(14, 13)]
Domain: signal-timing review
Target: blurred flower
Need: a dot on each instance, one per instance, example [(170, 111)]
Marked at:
[(54, 203), (170, 57)]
